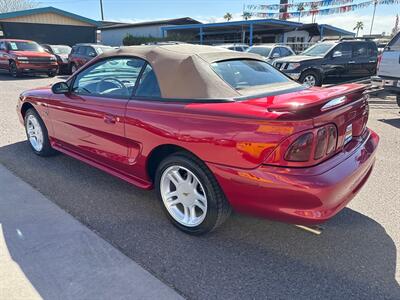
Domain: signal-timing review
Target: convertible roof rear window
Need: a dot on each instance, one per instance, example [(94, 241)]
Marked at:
[(247, 73)]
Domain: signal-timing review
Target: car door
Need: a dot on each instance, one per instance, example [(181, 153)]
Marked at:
[(3, 55), (390, 60), (81, 56), (90, 119), (336, 63), (359, 65)]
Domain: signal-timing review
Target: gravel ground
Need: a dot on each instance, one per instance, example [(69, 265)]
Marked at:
[(356, 256)]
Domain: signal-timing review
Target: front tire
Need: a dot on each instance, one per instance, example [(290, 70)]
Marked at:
[(190, 195), (311, 78), (52, 74), (37, 135), (14, 72)]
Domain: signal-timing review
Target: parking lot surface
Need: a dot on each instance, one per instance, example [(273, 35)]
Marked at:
[(356, 255)]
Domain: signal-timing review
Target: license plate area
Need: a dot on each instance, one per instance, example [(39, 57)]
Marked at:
[(348, 134)]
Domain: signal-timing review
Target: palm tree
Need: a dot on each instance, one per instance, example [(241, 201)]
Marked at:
[(300, 8), (228, 17), (359, 25), (246, 15)]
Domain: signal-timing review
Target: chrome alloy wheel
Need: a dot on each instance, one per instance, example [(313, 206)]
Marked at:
[(34, 132), (183, 195), (310, 80)]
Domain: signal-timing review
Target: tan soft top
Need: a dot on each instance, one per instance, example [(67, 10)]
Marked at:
[(183, 71)]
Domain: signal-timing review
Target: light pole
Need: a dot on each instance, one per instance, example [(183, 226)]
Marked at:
[(373, 17), (101, 10)]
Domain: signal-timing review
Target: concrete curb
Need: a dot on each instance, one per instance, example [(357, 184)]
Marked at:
[(46, 253)]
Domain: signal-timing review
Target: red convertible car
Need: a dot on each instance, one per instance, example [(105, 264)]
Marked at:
[(210, 130)]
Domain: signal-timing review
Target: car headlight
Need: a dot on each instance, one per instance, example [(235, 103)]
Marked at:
[(292, 66), (22, 58)]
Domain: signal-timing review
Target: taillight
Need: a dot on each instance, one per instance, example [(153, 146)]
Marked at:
[(320, 144), (306, 149), (332, 139), (300, 150), (379, 61)]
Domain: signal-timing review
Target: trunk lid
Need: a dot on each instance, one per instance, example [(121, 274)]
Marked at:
[(344, 105)]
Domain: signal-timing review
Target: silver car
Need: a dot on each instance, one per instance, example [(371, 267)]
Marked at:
[(270, 52)]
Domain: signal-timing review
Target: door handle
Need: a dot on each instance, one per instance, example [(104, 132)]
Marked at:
[(352, 62), (372, 61), (110, 119)]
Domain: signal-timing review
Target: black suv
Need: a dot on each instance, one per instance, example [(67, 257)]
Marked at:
[(331, 60), (82, 53)]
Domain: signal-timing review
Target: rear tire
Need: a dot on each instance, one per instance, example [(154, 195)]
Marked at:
[(14, 72), (311, 78), (37, 135), (190, 195)]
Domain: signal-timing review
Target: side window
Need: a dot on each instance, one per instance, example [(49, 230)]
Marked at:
[(372, 50), (395, 42), (114, 77), (148, 85), (81, 50), (285, 52), (360, 50), (276, 50), (2, 46), (345, 48), (90, 52)]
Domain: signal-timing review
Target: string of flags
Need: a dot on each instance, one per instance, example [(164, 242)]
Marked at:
[(314, 8), (295, 5)]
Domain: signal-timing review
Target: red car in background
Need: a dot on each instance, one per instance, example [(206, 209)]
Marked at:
[(210, 130), (23, 56), (83, 53)]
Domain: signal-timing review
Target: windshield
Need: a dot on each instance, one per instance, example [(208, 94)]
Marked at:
[(246, 73), (25, 46), (61, 49), (319, 49), (263, 51)]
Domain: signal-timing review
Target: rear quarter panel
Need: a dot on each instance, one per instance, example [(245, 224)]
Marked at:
[(232, 134)]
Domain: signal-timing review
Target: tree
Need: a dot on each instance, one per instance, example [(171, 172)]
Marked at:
[(247, 15), (300, 8), (228, 17), (14, 5), (359, 25)]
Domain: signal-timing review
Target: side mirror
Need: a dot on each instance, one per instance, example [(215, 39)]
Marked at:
[(276, 55), (337, 54), (60, 88)]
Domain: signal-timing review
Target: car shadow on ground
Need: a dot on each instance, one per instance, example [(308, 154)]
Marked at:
[(5, 76), (393, 122), (246, 258)]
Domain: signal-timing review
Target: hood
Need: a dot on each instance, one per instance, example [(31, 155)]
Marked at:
[(298, 58), (31, 53)]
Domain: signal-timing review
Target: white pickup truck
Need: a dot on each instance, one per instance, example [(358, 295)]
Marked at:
[(388, 74)]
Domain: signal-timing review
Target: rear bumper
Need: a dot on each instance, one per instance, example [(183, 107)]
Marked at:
[(300, 195), (387, 83)]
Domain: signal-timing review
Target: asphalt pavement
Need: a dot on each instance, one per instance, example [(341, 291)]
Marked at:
[(247, 258)]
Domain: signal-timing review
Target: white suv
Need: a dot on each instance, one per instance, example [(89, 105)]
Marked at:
[(389, 68)]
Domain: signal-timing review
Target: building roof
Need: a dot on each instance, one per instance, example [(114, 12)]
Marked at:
[(179, 21), (49, 9), (314, 29)]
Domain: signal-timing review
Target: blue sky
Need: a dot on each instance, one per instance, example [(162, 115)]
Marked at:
[(213, 10)]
